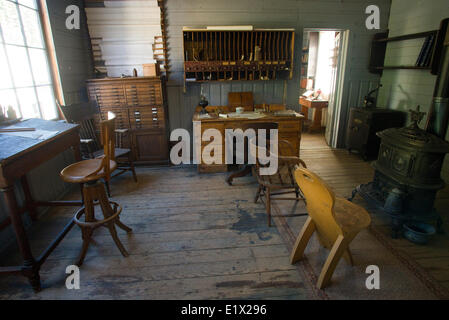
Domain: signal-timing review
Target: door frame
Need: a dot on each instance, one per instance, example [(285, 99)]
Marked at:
[(334, 121)]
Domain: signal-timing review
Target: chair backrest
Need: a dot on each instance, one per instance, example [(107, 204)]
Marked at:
[(320, 201), (83, 113), (108, 141), (256, 126), (241, 99), (79, 112)]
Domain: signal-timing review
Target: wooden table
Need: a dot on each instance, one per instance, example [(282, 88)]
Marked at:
[(19, 155), (318, 105)]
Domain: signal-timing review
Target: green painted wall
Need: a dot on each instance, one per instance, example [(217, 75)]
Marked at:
[(405, 89)]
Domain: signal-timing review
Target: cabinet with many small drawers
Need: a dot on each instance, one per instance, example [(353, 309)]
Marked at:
[(140, 106)]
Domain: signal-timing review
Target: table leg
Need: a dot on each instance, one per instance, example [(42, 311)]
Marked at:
[(29, 202), (77, 152), (30, 268), (305, 112), (316, 126)]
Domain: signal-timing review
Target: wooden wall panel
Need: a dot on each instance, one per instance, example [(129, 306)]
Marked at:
[(72, 48), (123, 34), (270, 14)]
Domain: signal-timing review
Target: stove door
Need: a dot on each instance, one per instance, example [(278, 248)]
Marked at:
[(395, 161)]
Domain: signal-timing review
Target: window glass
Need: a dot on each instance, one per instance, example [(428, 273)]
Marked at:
[(20, 66), (5, 78), (28, 102), (25, 81), (39, 65), (47, 102), (31, 27), (10, 22)]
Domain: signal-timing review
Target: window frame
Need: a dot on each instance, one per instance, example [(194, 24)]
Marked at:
[(54, 81)]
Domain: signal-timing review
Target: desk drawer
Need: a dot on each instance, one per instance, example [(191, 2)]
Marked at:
[(288, 126), (121, 117), (294, 140), (204, 126), (146, 118)]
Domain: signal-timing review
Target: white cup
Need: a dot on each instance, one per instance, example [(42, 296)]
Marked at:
[(239, 109)]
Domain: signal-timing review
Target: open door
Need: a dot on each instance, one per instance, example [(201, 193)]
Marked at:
[(335, 97)]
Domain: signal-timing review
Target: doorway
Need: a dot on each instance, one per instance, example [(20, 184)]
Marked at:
[(323, 61)]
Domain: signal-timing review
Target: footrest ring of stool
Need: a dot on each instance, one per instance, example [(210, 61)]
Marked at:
[(97, 223)]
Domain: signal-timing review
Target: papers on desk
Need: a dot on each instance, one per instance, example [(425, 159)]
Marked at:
[(204, 116), (285, 113), (245, 115), (38, 134)]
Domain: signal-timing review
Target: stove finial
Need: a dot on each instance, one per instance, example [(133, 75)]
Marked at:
[(416, 117)]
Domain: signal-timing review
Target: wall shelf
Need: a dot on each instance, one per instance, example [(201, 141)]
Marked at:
[(228, 55), (379, 46), (402, 67), (407, 36)]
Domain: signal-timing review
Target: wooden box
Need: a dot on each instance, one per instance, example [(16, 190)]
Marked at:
[(151, 70)]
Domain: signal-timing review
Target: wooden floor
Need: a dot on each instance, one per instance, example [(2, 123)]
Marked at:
[(343, 171), (194, 237)]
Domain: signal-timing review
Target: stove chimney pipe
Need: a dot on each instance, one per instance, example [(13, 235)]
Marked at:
[(438, 120)]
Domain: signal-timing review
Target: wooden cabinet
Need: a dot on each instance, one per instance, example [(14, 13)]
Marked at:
[(139, 105), (363, 125)]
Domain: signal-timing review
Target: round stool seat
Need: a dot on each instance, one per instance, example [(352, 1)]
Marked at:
[(84, 171)]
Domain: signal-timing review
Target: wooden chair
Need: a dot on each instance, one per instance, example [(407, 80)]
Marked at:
[(336, 220), (89, 172), (84, 114), (276, 186), (248, 167)]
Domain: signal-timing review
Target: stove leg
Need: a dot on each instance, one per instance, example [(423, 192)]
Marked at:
[(354, 192), (396, 228)]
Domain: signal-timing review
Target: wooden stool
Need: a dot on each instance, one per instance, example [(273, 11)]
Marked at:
[(88, 173)]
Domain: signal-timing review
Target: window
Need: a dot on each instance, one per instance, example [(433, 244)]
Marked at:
[(25, 79)]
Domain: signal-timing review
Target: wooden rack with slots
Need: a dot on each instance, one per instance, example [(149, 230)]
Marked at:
[(260, 54)]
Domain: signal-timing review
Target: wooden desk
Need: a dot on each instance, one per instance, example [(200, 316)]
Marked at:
[(19, 155), (290, 128), (318, 105)]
